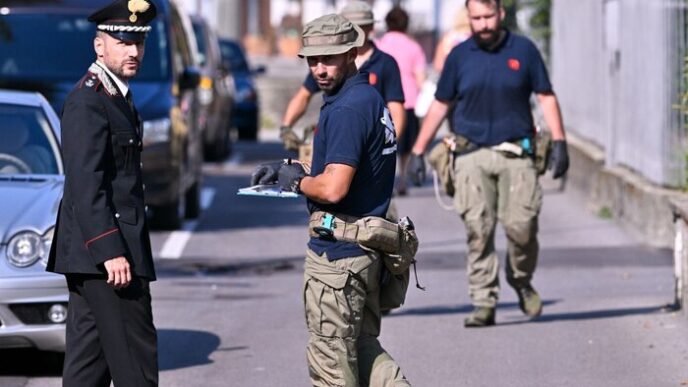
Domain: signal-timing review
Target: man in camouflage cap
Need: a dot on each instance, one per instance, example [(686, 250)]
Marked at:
[(352, 176)]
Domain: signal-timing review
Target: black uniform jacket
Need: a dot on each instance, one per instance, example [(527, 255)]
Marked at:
[(102, 214)]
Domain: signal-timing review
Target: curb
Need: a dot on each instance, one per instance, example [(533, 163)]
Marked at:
[(639, 206)]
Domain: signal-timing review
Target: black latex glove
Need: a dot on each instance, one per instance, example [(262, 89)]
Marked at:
[(266, 173), (559, 159), (290, 176), (416, 170)]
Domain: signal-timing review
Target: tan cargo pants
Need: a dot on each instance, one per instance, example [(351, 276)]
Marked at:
[(343, 317), (489, 187)]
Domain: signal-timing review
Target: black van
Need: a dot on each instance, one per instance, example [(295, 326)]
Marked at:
[(47, 46)]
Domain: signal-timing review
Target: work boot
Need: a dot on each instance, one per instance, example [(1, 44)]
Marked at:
[(481, 317), (529, 301)]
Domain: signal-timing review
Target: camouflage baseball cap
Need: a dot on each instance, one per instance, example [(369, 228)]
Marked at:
[(330, 35), (359, 12)]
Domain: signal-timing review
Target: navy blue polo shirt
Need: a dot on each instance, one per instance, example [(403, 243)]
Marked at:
[(355, 128), (383, 75), (492, 89)]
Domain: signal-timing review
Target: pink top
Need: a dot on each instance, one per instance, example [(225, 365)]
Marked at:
[(410, 58)]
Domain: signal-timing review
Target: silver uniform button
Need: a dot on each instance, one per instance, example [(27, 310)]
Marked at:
[(145, 208), (131, 141), (141, 165), (144, 187), (139, 143), (117, 215)]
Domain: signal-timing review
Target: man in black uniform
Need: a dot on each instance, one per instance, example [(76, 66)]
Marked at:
[(101, 240)]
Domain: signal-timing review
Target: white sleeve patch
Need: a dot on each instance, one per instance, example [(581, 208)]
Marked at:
[(390, 134)]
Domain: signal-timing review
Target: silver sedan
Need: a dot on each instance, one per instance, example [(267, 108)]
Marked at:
[(33, 302)]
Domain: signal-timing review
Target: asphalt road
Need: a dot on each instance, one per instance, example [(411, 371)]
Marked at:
[(228, 304)]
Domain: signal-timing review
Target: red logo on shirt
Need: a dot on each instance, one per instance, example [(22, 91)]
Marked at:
[(514, 64), (372, 78)]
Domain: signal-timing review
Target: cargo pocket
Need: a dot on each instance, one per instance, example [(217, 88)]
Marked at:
[(469, 199), (327, 310), (525, 195)]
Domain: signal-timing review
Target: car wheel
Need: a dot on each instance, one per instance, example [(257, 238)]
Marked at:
[(169, 216), (193, 201), (248, 132), (219, 149)]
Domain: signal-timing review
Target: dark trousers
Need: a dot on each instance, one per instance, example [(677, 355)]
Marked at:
[(110, 334)]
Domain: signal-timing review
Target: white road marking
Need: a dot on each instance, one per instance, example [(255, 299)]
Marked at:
[(233, 161), (177, 240)]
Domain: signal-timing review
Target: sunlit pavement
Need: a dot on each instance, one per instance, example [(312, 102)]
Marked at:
[(228, 303)]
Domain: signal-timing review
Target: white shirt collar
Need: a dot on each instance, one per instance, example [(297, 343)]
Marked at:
[(121, 85)]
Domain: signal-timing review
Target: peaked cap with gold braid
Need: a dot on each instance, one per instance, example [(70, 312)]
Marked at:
[(125, 19)]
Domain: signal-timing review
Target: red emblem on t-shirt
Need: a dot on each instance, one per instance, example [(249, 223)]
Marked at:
[(514, 64), (372, 78)]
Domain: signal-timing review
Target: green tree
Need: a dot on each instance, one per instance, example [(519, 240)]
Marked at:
[(510, 7), (540, 22)]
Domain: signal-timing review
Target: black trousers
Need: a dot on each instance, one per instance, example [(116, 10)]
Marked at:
[(110, 334)]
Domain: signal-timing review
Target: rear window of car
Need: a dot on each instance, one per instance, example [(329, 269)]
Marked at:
[(232, 53), (59, 47), (27, 143)]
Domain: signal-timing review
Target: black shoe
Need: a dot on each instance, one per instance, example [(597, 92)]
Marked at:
[(529, 301), (481, 317)]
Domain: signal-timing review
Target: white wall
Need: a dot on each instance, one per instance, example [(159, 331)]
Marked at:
[(611, 68)]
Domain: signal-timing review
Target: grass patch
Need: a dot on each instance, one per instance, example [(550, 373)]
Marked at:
[(605, 213)]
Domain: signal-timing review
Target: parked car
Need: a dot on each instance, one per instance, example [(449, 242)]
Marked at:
[(165, 89), (216, 92), (33, 302), (246, 117)]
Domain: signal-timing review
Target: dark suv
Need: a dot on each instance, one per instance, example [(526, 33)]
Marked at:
[(47, 46), (216, 92)]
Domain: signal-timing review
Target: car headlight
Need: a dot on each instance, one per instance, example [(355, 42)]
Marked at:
[(156, 130), (25, 249), (47, 242)]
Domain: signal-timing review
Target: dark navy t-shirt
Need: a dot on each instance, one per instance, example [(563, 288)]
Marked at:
[(382, 72), (492, 89), (355, 129)]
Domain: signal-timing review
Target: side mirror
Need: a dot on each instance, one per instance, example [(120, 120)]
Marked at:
[(190, 78), (260, 69)]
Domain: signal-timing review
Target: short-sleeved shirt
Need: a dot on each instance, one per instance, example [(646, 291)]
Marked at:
[(355, 129), (492, 89), (383, 74), (411, 60)]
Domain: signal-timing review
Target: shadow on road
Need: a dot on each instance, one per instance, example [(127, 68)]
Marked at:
[(563, 257), (192, 266), (178, 348), (589, 315), (30, 363), (454, 309)]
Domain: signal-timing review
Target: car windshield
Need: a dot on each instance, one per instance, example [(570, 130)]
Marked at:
[(59, 47), (27, 145), (232, 53)]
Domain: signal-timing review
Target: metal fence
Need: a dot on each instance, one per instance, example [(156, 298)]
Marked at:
[(617, 68)]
